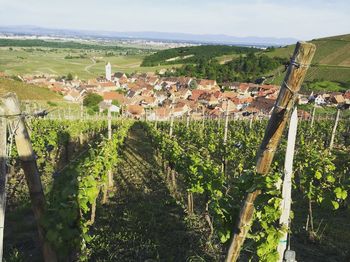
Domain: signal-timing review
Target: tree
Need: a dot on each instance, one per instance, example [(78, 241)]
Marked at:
[(69, 77), (92, 101)]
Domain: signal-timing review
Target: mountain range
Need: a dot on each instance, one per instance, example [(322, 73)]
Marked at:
[(148, 35)]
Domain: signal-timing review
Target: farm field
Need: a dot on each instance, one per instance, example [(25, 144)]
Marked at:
[(331, 61), (21, 61)]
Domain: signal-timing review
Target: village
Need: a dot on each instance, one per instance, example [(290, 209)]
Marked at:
[(154, 97)]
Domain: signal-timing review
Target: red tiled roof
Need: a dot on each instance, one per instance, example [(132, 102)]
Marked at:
[(114, 96), (196, 94)]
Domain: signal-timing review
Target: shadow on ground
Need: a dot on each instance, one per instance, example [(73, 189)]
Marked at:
[(142, 221)]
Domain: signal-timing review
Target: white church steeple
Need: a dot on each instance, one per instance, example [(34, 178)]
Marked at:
[(108, 71)]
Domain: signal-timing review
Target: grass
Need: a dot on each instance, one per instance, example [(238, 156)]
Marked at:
[(21, 61), (27, 92)]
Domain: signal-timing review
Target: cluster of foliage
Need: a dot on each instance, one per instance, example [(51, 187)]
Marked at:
[(245, 68), (81, 56), (55, 143), (73, 197), (193, 54), (196, 153), (91, 101), (325, 86)]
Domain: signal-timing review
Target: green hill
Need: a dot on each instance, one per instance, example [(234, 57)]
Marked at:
[(193, 54), (27, 92), (331, 61)]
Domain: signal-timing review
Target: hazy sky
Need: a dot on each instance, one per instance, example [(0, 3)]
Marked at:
[(302, 19)]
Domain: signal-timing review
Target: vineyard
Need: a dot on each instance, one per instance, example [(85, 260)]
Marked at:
[(184, 162), (116, 189)]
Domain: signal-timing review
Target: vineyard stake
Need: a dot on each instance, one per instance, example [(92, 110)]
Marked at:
[(188, 119), (29, 165), (287, 183), (109, 116), (297, 69), (171, 124), (313, 116), (334, 130), (3, 178), (224, 162)]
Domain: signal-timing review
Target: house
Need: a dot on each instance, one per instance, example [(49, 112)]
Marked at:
[(319, 100), (205, 84), (148, 101), (208, 99), (227, 105), (243, 88), (135, 111), (160, 96), (105, 106), (231, 85), (109, 97), (338, 99), (74, 96), (162, 113), (261, 104), (107, 86), (196, 94), (229, 95)]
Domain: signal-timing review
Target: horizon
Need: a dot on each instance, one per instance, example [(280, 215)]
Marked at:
[(252, 18)]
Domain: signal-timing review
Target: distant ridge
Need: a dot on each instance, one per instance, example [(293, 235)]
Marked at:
[(148, 35)]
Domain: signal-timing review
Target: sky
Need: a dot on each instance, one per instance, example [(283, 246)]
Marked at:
[(301, 19)]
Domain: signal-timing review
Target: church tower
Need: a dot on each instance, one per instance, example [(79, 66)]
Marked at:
[(108, 71)]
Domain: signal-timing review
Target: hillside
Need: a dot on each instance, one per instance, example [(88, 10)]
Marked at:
[(331, 61), (193, 54), (26, 91)]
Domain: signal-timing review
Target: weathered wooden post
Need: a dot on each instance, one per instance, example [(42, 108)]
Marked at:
[(81, 110), (109, 119), (28, 162), (188, 119), (171, 124), (297, 69), (287, 183), (313, 116), (224, 162), (3, 177), (203, 118), (334, 130)]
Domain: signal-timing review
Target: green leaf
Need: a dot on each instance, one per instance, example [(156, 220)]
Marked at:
[(340, 193), (335, 204), (318, 175)]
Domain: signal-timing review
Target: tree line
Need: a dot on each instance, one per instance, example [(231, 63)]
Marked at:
[(193, 54), (245, 68)]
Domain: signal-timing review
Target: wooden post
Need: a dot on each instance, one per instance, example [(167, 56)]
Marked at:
[(171, 123), (109, 116), (297, 69), (334, 130), (203, 118), (287, 183), (28, 162), (3, 178), (313, 116), (223, 167), (188, 119), (81, 110)]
